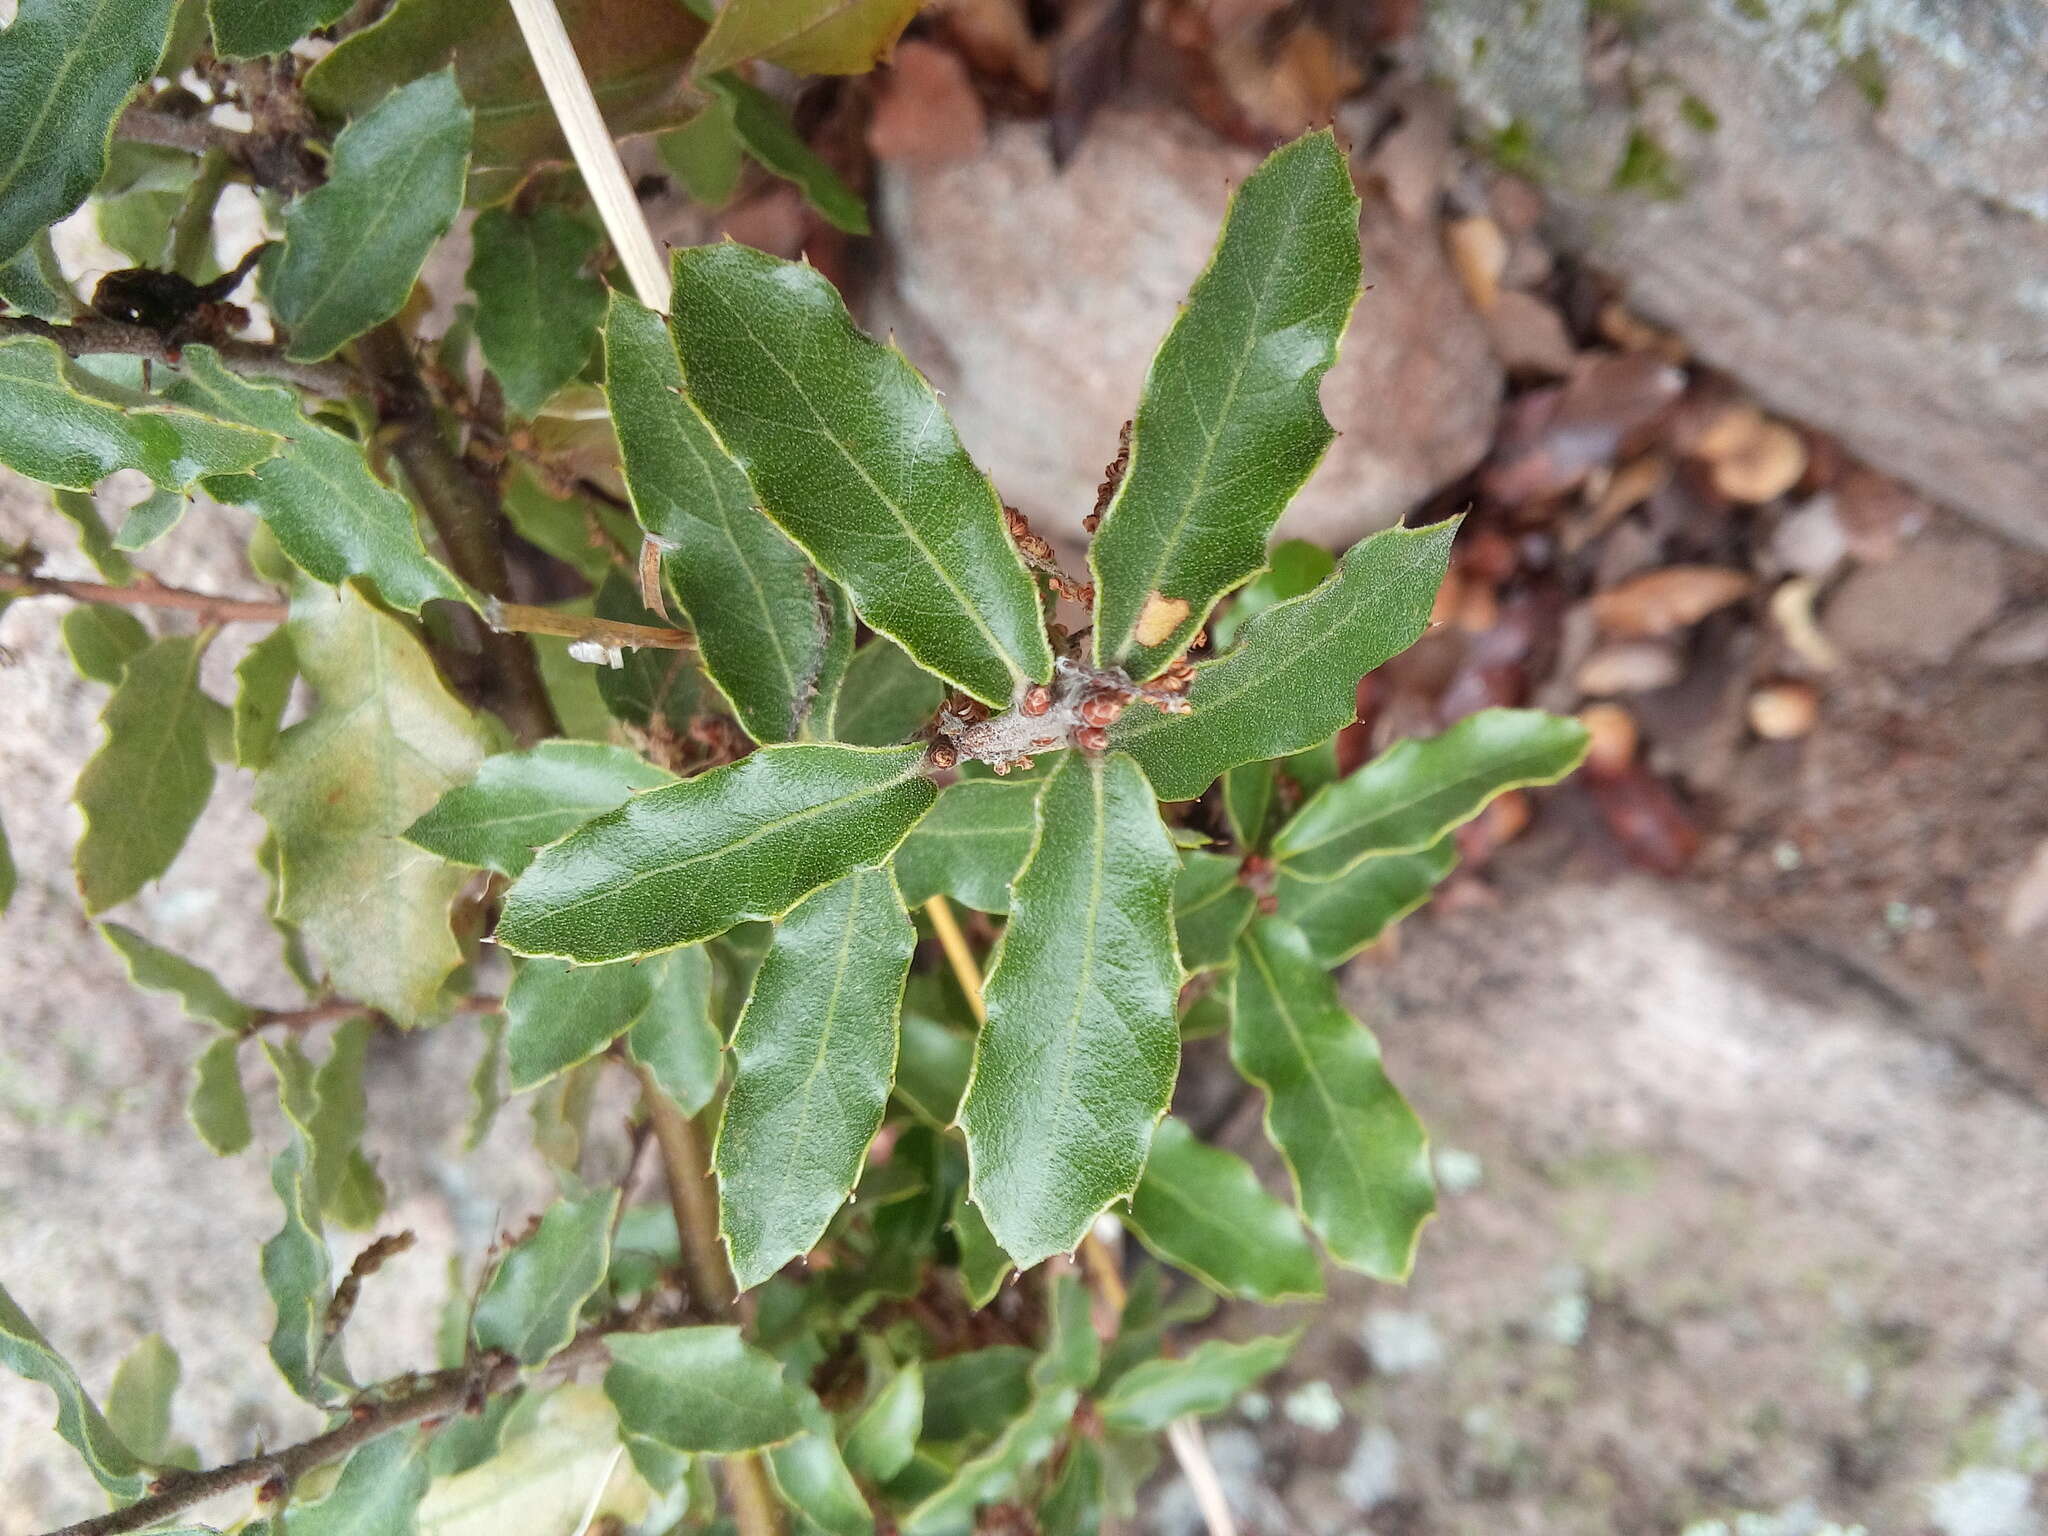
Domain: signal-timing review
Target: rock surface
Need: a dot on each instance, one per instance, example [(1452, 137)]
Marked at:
[(1856, 223), (1035, 298)]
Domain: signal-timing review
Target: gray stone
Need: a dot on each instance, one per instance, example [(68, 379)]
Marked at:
[(1035, 298), (1858, 233), (1921, 607)]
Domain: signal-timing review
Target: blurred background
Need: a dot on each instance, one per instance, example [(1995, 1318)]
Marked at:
[(1728, 322)]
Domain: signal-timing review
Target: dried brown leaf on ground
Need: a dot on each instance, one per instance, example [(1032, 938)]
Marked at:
[(1553, 438), (1664, 601)]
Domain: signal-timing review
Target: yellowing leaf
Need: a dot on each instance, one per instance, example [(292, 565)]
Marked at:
[(808, 37), (383, 745)]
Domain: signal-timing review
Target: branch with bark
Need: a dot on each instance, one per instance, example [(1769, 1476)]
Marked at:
[(444, 1394), (92, 338)]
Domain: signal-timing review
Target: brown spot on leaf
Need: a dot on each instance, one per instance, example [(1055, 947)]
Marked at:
[(1160, 617)]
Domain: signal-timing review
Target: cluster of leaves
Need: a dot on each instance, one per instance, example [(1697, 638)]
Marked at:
[(721, 872)]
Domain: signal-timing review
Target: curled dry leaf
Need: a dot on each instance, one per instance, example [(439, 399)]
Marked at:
[(1631, 666), (1646, 818), (926, 109), (1552, 439), (1783, 711), (1528, 335), (1618, 324), (1479, 254), (1614, 738), (1761, 466), (1792, 612), (1665, 601)]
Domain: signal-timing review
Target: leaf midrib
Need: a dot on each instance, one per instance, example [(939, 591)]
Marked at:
[(1271, 983)]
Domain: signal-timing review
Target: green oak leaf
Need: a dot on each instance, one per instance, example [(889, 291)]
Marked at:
[(63, 427), (24, 1351), (705, 154), (1202, 1209), (635, 54), (813, 1056), (520, 801), (851, 453), (1340, 917), (1292, 680), (972, 1396), (1293, 566), (1063, 1369), (1204, 1381), (331, 516), (932, 1064), (1230, 422), (66, 69), (676, 1038), (350, 1193), (353, 247), (1413, 793), (263, 688), (155, 969), (79, 509), (384, 743), (1078, 1058), (813, 1479), (538, 308), (101, 640), (983, 1264), (1358, 1155), (1210, 909), (971, 845), (750, 594), (685, 863), (486, 1092), (297, 1271), (558, 1014), (883, 1436), (808, 37), (378, 1493), (150, 519), (33, 284), (217, 1106), (529, 1309), (886, 697), (761, 124), (1251, 794), (701, 1390), (150, 779), (139, 1400), (248, 29)]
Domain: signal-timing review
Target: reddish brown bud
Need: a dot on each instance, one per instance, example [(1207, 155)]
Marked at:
[(1101, 709), (1269, 904), (1092, 738), (1024, 762), (272, 1491), (1036, 701), (1091, 522), (943, 754), (1200, 642)]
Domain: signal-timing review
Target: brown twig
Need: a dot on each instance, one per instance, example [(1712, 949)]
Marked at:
[(209, 607), (520, 618), (464, 511), (89, 338), (686, 1160), (329, 1012), (145, 125), (442, 1394)]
